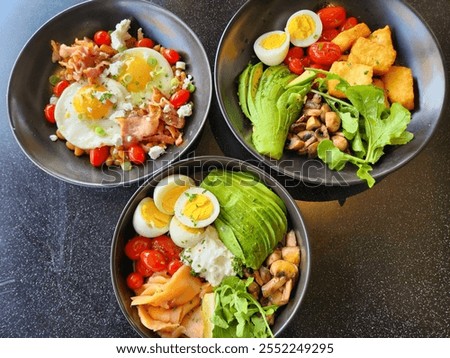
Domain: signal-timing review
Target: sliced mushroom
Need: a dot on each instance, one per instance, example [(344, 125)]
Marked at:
[(295, 143), (305, 135), (312, 112), (313, 123), (340, 142), (283, 268), (291, 254), (287, 291), (332, 121), (298, 127), (258, 278), (312, 104), (254, 289), (264, 273), (317, 98), (278, 298), (312, 150), (291, 240), (273, 285), (321, 133), (325, 108), (274, 256)]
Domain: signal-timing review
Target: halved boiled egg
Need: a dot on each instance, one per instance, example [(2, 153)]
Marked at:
[(185, 236), (197, 207), (272, 47), (148, 221), (304, 28), (168, 190)]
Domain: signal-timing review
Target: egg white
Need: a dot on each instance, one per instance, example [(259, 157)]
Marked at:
[(90, 133), (144, 227), (313, 37), (184, 236), (275, 56), (166, 188)]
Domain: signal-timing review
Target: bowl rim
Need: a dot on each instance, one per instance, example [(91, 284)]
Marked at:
[(225, 161), (353, 180), (106, 184)]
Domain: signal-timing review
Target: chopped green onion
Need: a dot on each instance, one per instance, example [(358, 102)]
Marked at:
[(152, 61), (126, 166), (54, 79), (100, 131), (191, 87), (126, 79), (174, 82)]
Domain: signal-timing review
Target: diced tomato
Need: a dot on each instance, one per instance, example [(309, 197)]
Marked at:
[(145, 42), (60, 87), (171, 55), (165, 245), (294, 52), (329, 34), (136, 245), (180, 97), (154, 260), (324, 53), (143, 269), (49, 112), (137, 154), (173, 266), (135, 280), (349, 23), (102, 37), (297, 65), (98, 156), (332, 16)]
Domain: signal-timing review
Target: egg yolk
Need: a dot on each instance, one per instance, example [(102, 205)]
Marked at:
[(153, 216), (135, 74), (191, 230), (198, 207), (301, 27), (92, 101), (273, 41), (170, 198)]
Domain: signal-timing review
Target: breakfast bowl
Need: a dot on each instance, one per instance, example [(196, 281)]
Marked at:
[(34, 65), (416, 48), (199, 171)]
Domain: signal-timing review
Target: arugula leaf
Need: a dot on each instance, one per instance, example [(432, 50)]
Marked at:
[(237, 313)]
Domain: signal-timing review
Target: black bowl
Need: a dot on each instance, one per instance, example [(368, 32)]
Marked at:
[(197, 169), (416, 48), (34, 66)]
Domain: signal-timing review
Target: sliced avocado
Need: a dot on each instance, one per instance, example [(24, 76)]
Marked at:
[(304, 78), (254, 78), (243, 89)]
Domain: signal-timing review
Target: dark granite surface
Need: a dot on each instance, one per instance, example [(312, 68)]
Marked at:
[(380, 260)]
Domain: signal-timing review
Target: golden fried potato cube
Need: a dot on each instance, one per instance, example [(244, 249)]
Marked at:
[(382, 36), (378, 82), (353, 73), (398, 82), (347, 38)]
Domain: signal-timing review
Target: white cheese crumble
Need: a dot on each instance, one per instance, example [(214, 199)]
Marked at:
[(156, 151), (185, 110), (53, 137), (180, 65), (120, 35)]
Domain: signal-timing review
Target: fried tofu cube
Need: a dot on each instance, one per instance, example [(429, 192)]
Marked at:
[(377, 51), (347, 38), (378, 82), (353, 73), (399, 85)]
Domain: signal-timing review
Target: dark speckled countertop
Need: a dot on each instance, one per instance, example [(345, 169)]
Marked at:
[(380, 258)]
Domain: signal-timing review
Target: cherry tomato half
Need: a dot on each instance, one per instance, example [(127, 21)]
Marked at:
[(349, 23), (49, 112), (294, 52), (102, 37), (98, 156), (324, 53), (332, 16), (297, 65), (60, 87), (154, 260), (171, 55), (173, 266), (165, 245), (329, 34), (136, 245), (135, 280), (145, 42), (137, 154), (142, 268), (180, 97)]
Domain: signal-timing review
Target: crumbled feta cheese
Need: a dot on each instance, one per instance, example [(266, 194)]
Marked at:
[(177, 73), (53, 137), (156, 151), (180, 65), (114, 68), (120, 35), (185, 110), (53, 100)]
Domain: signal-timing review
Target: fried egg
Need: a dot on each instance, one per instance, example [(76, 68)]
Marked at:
[(185, 236), (168, 190), (140, 69), (148, 221), (272, 47), (304, 28), (197, 208), (86, 113)]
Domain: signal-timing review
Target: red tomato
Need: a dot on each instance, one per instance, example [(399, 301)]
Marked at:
[(171, 55), (165, 245), (332, 16), (173, 267), (349, 23), (180, 97), (294, 52), (154, 260), (297, 65), (329, 34), (324, 53), (98, 156), (137, 154), (145, 42), (142, 268), (136, 245), (49, 112), (60, 87), (135, 280), (102, 38)]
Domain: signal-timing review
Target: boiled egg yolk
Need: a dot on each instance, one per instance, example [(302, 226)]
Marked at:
[(148, 221), (92, 102), (272, 47), (304, 28), (197, 207), (168, 190)]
